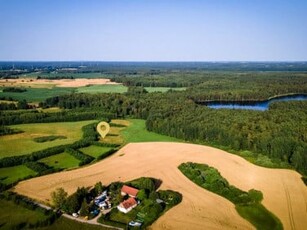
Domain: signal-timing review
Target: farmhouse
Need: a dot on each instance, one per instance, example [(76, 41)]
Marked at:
[(127, 190), (127, 205)]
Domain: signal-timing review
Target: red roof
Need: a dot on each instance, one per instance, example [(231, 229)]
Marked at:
[(129, 190), (129, 203)]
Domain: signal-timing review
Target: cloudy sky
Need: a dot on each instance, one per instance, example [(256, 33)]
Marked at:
[(153, 30)]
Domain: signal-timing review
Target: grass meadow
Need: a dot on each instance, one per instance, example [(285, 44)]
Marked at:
[(137, 132), (61, 161), (94, 150), (12, 174), (11, 215), (23, 143)]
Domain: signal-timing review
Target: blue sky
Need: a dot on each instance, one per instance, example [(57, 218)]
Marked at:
[(153, 30)]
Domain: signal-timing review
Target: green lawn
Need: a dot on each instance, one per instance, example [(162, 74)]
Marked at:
[(11, 215), (61, 161), (95, 151), (11, 174), (23, 143), (37, 94), (103, 89), (136, 132)]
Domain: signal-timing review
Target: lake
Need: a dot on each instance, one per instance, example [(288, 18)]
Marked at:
[(251, 105)]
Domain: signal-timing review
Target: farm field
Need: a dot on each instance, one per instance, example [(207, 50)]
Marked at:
[(61, 161), (23, 143), (94, 150), (284, 193), (11, 174)]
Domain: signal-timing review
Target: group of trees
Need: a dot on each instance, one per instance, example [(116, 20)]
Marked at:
[(34, 116)]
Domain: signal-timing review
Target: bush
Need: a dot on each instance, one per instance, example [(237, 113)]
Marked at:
[(48, 138), (39, 167), (84, 159)]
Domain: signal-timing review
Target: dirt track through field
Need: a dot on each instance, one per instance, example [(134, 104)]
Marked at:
[(284, 193), (48, 83)]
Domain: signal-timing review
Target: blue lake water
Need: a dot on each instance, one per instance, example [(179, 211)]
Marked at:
[(262, 105)]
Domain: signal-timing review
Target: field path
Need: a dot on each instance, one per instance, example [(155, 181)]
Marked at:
[(284, 192)]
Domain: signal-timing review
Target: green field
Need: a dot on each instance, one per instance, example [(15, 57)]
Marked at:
[(37, 94), (23, 143), (61, 161), (11, 174), (136, 132), (95, 151), (102, 89), (11, 215)]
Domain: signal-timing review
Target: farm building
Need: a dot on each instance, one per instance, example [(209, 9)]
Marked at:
[(127, 205), (127, 190)]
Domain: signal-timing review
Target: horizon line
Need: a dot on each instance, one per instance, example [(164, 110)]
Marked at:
[(164, 61)]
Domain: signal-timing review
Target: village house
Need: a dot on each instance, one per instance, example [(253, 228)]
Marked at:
[(127, 205), (127, 190), (130, 203)]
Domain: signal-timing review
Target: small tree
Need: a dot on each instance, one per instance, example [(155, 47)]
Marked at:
[(142, 194), (72, 204), (98, 188), (84, 211), (58, 197)]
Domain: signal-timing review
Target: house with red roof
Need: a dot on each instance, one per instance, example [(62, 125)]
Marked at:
[(127, 205), (127, 190)]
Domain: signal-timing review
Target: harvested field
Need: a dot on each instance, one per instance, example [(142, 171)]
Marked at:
[(284, 192), (46, 83)]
